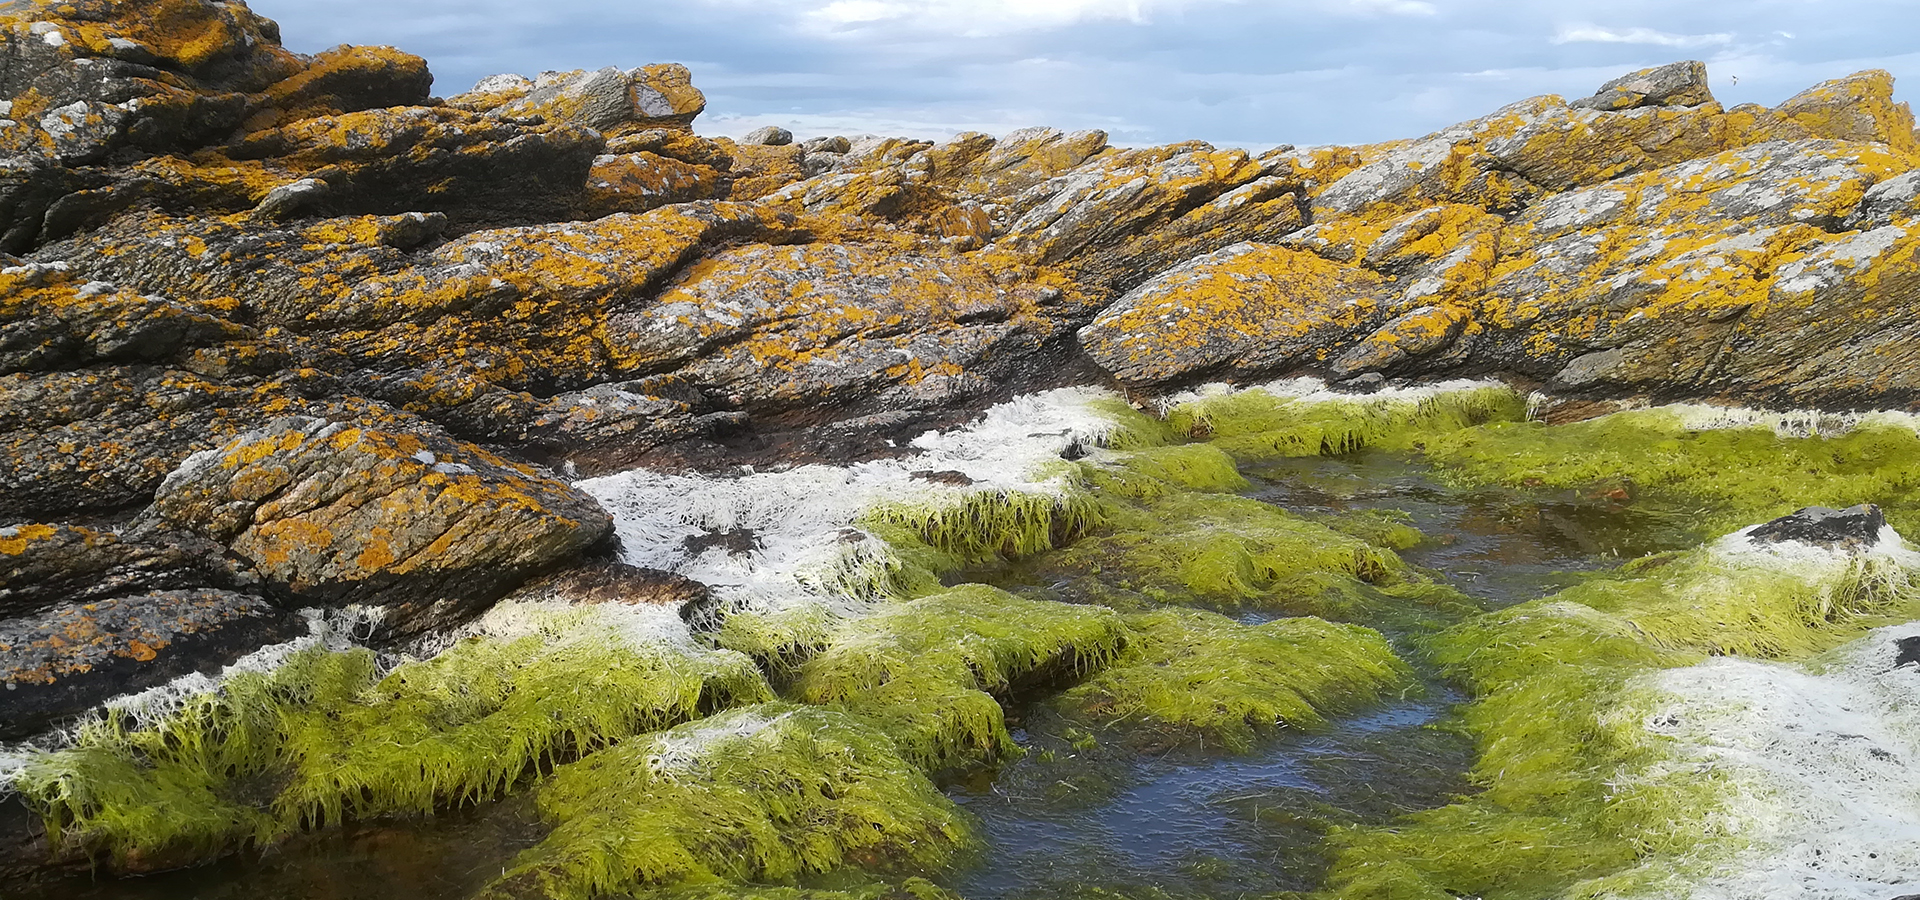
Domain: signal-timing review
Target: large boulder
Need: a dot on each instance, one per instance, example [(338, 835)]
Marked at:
[(428, 527), (478, 169), (1245, 311), (846, 328), (610, 100), (1859, 107)]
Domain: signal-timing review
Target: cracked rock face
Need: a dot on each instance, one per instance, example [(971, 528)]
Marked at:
[(332, 514)]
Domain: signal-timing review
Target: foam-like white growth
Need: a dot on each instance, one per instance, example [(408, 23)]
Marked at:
[(684, 751), (1819, 767), (1315, 390), (809, 549)]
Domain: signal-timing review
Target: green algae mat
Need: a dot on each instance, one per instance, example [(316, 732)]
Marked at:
[(1267, 642)]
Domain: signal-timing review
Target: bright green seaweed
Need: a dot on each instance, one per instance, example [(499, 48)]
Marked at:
[(325, 738), (926, 669), (1558, 709), (1735, 476), (759, 794), (1254, 424), (1232, 683)]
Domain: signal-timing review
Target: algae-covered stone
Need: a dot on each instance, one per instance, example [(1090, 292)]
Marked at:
[(324, 737), (423, 524), (762, 794), (926, 671), (1230, 683)]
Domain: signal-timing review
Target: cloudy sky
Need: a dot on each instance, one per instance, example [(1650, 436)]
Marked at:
[(1249, 73)]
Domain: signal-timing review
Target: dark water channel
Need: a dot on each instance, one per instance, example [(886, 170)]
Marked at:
[(1084, 815)]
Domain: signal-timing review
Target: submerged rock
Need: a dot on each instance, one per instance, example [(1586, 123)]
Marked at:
[(1853, 528)]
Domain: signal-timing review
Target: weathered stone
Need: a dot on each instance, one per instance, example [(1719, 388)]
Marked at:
[(1894, 201), (350, 79), (66, 660), (836, 327), (1674, 84), (1246, 311), (42, 566), (609, 100), (477, 169), (612, 582), (1858, 107), (637, 182), (430, 528), (770, 136)]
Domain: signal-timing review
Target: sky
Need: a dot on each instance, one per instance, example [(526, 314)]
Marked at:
[(1239, 73)]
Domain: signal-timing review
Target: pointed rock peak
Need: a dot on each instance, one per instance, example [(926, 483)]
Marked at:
[(1859, 107), (1681, 83)]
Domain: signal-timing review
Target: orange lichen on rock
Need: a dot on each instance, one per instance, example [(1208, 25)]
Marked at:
[(334, 510)]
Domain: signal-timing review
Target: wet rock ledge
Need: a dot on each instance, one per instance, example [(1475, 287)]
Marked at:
[(282, 331)]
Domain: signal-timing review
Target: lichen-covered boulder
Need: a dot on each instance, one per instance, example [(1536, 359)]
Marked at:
[(610, 100), (1674, 84), (637, 182), (347, 79), (429, 527), (1244, 311), (781, 329), (1859, 107), (43, 566), (66, 660)]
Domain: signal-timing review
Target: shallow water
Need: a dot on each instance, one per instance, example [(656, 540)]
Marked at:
[(1180, 822), (1083, 813)]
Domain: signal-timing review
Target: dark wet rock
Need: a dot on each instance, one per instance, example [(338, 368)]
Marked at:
[(955, 479), (42, 566), (613, 582), (330, 513), (63, 661), (1908, 654), (1852, 528), (731, 541)]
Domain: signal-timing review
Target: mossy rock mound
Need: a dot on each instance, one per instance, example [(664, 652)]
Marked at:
[(762, 794)]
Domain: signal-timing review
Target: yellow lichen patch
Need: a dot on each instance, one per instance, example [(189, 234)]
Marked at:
[(15, 540), (637, 182)]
